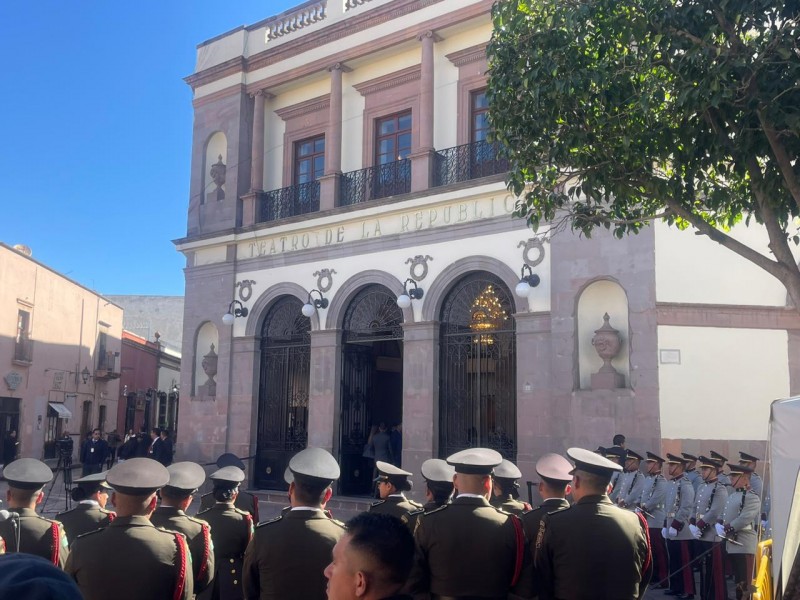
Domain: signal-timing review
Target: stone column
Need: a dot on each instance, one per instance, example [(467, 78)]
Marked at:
[(243, 400), (420, 397), (250, 200), (329, 183), (537, 427), (422, 158), (323, 419)]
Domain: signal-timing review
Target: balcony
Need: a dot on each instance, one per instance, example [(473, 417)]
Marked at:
[(288, 202), (372, 183), (23, 351), (468, 161), (107, 366)]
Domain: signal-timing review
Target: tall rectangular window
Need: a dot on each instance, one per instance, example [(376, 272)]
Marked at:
[(479, 117), (393, 138), (309, 159), (23, 326)]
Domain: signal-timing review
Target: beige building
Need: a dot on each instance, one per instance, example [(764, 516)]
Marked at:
[(59, 355), (340, 158)]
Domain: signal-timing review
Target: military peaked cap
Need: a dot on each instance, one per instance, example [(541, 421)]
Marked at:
[(186, 476), (230, 460), (704, 461), (230, 475), (554, 467), (93, 482), (717, 456), (677, 460), (436, 469), (688, 457), (744, 456), (586, 460), (507, 470), (137, 476), (27, 474), (737, 469), (475, 461), (654, 457), (313, 464), (634, 455)]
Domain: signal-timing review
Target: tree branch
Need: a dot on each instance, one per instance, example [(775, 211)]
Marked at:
[(784, 162)]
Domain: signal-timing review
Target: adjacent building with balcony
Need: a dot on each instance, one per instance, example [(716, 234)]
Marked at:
[(59, 355), (342, 160)]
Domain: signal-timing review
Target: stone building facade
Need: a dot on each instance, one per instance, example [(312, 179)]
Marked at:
[(59, 355), (340, 159)]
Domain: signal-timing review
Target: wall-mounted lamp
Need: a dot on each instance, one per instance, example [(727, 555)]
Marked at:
[(85, 374), (526, 282), (235, 309), (310, 307), (415, 293)]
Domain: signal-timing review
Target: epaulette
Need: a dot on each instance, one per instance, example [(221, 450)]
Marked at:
[(437, 509), (170, 532), (240, 511), (196, 520), (559, 511), (339, 523), (413, 503), (88, 533), (205, 510), (275, 520), (378, 503)]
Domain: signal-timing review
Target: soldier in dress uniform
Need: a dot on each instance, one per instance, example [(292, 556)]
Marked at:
[(231, 531), (634, 483), (618, 455), (691, 470), (723, 477), (184, 480), (756, 483), (505, 488), (244, 500), (741, 510), (438, 477), (131, 558), (592, 550), (651, 503), (26, 531), (91, 494), (468, 548), (709, 504), (679, 507), (392, 482), (555, 476), (288, 555)]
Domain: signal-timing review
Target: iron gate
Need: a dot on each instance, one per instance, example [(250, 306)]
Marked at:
[(477, 387), (372, 316), (283, 391)]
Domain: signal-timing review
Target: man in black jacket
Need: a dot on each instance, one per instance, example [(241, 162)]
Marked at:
[(93, 454)]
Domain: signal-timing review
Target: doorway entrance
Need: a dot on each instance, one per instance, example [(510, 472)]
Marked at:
[(283, 391), (477, 376), (372, 382)]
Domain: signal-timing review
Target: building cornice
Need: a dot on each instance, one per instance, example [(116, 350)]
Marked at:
[(680, 314), (337, 31), (468, 55), (303, 108), (385, 82)]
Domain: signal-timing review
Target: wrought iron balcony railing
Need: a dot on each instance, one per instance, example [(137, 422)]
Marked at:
[(380, 181), (468, 161), (23, 350), (289, 201)]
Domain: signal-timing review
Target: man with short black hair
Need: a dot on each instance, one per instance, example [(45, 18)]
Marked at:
[(93, 454), (372, 560)]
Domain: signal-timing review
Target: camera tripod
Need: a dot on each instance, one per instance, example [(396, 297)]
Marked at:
[(64, 466)]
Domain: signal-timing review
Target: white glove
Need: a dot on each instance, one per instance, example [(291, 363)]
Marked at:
[(764, 525), (664, 533), (673, 533), (720, 530), (695, 531)]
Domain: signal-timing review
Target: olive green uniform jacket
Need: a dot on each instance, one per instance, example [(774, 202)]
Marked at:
[(469, 548), (510, 505), (131, 559), (37, 535), (530, 526), (83, 519), (287, 556), (593, 551), (244, 501), (396, 505), (198, 536), (231, 531)]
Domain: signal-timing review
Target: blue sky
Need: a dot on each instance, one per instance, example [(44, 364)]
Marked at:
[(97, 132)]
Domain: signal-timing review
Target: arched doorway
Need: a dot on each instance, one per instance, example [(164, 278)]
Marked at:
[(477, 381), (372, 380), (283, 391)]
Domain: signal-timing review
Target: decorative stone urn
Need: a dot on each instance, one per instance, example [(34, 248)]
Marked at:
[(210, 369), (607, 342)]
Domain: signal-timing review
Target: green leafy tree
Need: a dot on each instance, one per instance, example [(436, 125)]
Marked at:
[(618, 112)]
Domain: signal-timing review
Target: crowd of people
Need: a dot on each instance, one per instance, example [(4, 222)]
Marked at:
[(632, 520)]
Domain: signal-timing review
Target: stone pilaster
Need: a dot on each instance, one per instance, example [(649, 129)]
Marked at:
[(323, 419), (420, 396)]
